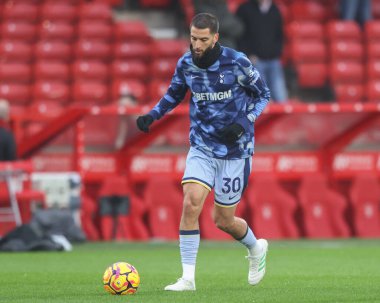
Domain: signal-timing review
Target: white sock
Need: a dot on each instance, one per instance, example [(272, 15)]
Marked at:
[(256, 249), (188, 272)]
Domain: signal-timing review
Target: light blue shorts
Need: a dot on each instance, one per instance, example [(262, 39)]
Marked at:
[(229, 177)]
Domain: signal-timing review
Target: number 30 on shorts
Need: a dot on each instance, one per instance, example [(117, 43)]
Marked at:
[(231, 184)]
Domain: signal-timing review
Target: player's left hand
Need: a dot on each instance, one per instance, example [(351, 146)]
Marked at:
[(231, 133)]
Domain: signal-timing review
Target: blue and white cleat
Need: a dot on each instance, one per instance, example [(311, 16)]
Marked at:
[(257, 262)]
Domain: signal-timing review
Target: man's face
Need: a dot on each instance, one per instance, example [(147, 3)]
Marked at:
[(202, 40)]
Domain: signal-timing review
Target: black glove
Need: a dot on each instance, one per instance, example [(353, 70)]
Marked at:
[(231, 133), (143, 122)]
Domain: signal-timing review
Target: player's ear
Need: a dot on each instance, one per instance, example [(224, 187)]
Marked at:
[(216, 38)]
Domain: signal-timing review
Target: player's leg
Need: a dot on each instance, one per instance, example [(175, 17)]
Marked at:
[(225, 219), (229, 186), (196, 186)]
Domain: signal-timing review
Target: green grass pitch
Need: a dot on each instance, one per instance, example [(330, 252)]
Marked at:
[(297, 271)]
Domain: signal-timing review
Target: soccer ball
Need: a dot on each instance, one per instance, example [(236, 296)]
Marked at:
[(121, 278)]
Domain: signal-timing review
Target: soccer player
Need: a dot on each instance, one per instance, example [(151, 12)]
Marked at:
[(228, 95)]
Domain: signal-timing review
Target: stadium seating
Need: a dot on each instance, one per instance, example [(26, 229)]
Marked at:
[(56, 31), (312, 74), (16, 93), (95, 11), (135, 30), (364, 196), (52, 70), (15, 72), (53, 50), (15, 51), (164, 208), (18, 31), (345, 93), (16, 11), (94, 30), (92, 50), (128, 223), (58, 11), (90, 92), (322, 209), (129, 87), (129, 69), (272, 209), (308, 10), (90, 70), (343, 30), (163, 68), (51, 90)]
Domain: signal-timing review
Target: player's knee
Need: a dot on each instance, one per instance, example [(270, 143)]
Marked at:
[(191, 205)]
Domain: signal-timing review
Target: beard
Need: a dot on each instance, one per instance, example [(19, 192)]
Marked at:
[(200, 56), (208, 57)]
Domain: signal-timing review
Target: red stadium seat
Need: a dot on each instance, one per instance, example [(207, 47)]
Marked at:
[(178, 135), (365, 197), (373, 50), (15, 72), (21, 31), (188, 10), (122, 226), (61, 31), (14, 11), (304, 30), (163, 68), (308, 52), (164, 210), (12, 51), (129, 87), (322, 209), (373, 91), (132, 50), (308, 10), (93, 50), (343, 30), (312, 74), (346, 50), (90, 70), (51, 70), (373, 69), (15, 93), (90, 93), (155, 3), (54, 50), (346, 72), (157, 89), (346, 93), (58, 11), (272, 209), (372, 30), (52, 107), (169, 48), (95, 11), (129, 69), (51, 90), (375, 8), (94, 30), (135, 31)]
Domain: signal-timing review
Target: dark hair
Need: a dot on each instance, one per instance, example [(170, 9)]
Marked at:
[(205, 20)]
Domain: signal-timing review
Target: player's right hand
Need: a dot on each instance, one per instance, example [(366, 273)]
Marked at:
[(143, 123)]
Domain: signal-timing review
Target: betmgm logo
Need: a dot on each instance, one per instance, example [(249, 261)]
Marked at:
[(213, 96)]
